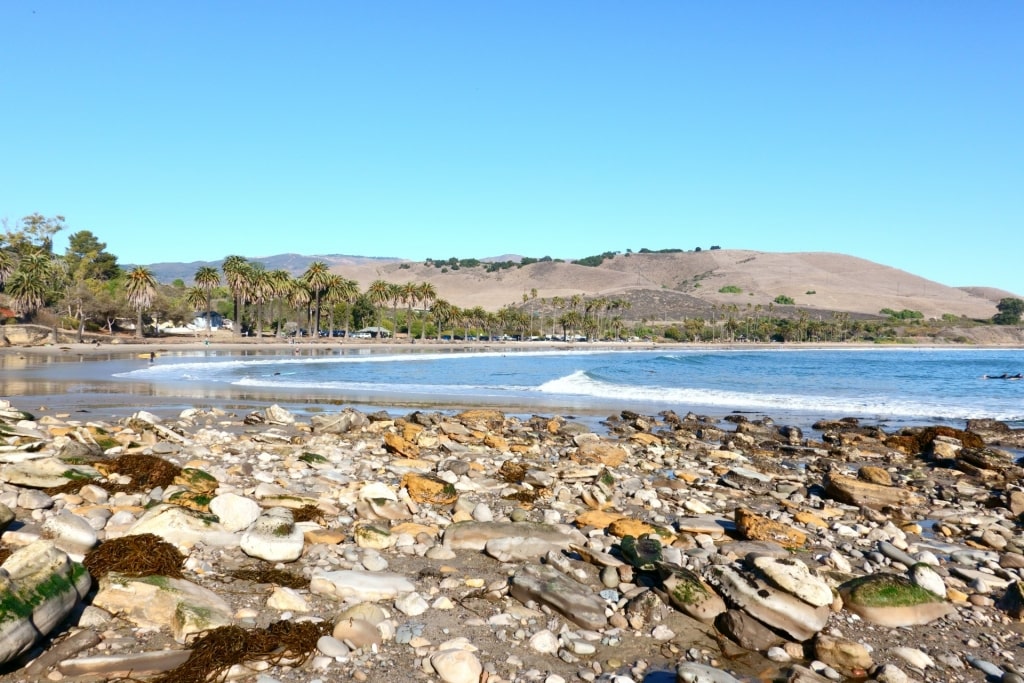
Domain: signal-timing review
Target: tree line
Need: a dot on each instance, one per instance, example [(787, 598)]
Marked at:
[(86, 289)]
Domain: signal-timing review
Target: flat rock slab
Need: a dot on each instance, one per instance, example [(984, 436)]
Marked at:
[(352, 583), (545, 585), (892, 600), (476, 535)]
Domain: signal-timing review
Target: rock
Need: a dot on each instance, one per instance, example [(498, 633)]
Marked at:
[(274, 537), (757, 527), (182, 527), (778, 610), (40, 586), (182, 607), (456, 666), (892, 600), (545, 585), (235, 512), (747, 631), (427, 488), (846, 656), (1012, 600), (348, 420), (44, 473), (471, 535), (925, 576), (874, 475), (361, 585), (688, 592), (71, 533), (914, 657), (692, 672), (857, 492), (359, 633), (793, 576)]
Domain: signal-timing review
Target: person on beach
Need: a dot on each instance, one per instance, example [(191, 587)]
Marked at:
[(152, 356)]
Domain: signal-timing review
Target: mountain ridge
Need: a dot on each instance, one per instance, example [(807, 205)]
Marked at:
[(663, 285)]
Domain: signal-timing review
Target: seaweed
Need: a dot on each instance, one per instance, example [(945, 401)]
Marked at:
[(217, 650), (269, 575), (136, 556)]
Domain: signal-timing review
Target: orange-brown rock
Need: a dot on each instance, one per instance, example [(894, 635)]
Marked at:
[(627, 526), (426, 488), (496, 441), (608, 454), (755, 527), (411, 431), (874, 475), (857, 492), (481, 418), (395, 443), (599, 519), (810, 519), (645, 439)]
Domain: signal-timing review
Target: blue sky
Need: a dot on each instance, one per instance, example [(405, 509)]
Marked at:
[(182, 131)]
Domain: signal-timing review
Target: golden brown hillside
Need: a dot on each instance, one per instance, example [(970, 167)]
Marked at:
[(669, 286)]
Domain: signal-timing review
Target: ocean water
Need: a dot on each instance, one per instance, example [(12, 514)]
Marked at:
[(891, 385)]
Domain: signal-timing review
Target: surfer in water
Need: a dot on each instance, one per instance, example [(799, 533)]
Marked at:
[(1004, 376)]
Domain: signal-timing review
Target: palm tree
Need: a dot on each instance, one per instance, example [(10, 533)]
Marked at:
[(443, 314), (347, 291), (258, 288), (278, 285), (317, 278), (333, 295), (234, 275), (379, 292), (395, 297), (141, 288), (206, 278), (410, 295), (427, 295), (28, 284)]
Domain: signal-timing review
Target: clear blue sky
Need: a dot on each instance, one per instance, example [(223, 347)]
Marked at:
[(182, 131)]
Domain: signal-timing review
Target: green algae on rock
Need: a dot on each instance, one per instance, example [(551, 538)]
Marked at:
[(892, 600)]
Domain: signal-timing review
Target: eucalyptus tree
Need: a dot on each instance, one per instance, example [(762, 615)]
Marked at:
[(206, 278), (316, 279), (140, 286), (234, 269)]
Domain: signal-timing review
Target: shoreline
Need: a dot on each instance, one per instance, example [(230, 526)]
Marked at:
[(234, 345)]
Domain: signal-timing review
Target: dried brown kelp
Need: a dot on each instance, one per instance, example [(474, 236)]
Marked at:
[(308, 513), (146, 472), (137, 555), (278, 577), (217, 650)]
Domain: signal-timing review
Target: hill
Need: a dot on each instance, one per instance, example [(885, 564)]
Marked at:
[(669, 286)]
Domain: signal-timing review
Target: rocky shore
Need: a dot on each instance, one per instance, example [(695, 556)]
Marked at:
[(478, 547)]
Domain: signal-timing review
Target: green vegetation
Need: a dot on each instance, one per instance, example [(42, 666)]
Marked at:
[(905, 314), (784, 300), (597, 260), (887, 590), (730, 289), (1010, 311), (809, 292)]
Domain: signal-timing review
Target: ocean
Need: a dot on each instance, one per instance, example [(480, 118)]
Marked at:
[(896, 386)]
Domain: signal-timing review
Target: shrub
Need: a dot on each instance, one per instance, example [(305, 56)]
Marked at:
[(783, 299), (810, 291), (730, 289), (673, 333)]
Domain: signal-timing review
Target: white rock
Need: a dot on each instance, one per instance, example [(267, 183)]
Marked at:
[(235, 512), (914, 657), (287, 599), (411, 604), (375, 490), (793, 576), (924, 576), (70, 533), (457, 666), (274, 537), (544, 642), (352, 583)]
